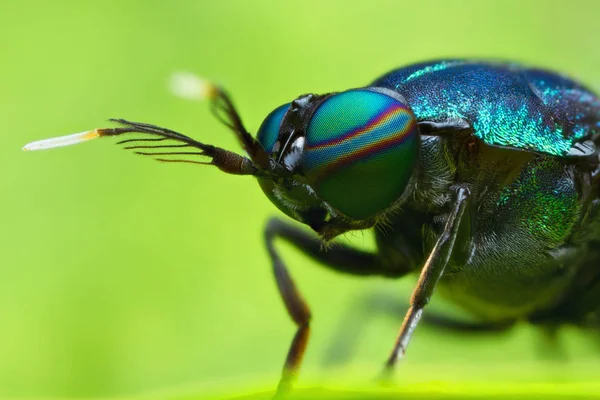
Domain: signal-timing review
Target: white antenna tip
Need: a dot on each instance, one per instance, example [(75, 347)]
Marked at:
[(189, 86), (61, 141)]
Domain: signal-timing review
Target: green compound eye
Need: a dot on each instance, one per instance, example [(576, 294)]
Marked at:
[(269, 129), (361, 149)]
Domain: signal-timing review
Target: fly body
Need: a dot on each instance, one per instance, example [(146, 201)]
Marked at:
[(482, 176), (532, 225)]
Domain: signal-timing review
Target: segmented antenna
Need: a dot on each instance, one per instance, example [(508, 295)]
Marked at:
[(166, 145), (189, 86)]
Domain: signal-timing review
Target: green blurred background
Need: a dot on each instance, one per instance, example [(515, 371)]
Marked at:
[(123, 276)]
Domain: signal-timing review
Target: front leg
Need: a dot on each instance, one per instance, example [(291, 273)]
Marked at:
[(430, 275), (341, 258)]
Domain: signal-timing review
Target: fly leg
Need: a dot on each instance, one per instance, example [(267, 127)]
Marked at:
[(341, 258), (431, 273), (374, 305)]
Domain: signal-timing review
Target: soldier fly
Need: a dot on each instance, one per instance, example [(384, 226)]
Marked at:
[(483, 177)]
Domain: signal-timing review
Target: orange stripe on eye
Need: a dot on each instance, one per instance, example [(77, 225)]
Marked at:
[(384, 117), (368, 151)]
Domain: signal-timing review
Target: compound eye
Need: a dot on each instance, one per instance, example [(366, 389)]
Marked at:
[(269, 129), (361, 149)]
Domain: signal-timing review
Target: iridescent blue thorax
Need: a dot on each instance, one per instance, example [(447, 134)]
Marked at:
[(506, 104), (528, 208)]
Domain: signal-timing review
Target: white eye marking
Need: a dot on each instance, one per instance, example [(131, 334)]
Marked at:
[(61, 141), (294, 155), (292, 159), (189, 86)]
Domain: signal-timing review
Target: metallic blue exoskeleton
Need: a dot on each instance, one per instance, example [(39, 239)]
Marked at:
[(506, 104), (482, 176), (528, 247)]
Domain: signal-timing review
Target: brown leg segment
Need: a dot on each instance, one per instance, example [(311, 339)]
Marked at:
[(430, 274), (365, 308), (299, 312), (340, 258)]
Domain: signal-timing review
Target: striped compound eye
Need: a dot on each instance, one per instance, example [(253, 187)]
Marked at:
[(361, 149), (269, 129)]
